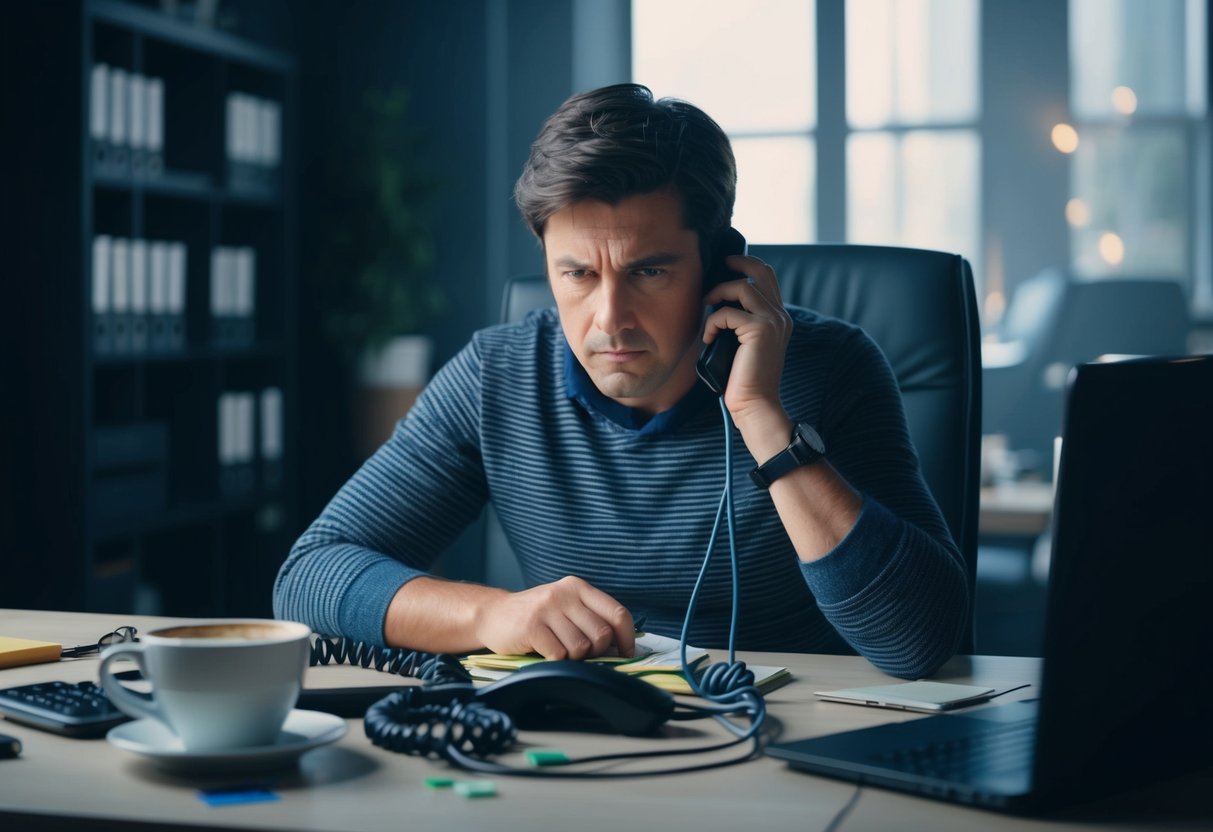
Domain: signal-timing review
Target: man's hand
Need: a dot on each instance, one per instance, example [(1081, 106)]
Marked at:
[(567, 619), (763, 329)]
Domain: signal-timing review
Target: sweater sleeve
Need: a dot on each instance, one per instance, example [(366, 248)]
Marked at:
[(394, 516), (894, 588)]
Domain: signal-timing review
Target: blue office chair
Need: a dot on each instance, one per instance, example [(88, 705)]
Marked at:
[(1055, 322), (920, 308)]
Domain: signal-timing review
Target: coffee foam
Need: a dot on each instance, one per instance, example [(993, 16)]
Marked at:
[(252, 631)]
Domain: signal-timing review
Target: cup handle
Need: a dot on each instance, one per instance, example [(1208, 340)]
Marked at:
[(124, 699)]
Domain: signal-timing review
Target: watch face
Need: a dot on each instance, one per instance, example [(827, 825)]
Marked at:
[(811, 437)]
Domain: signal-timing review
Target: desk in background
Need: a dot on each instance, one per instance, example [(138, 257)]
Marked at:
[(1015, 509), (60, 783)]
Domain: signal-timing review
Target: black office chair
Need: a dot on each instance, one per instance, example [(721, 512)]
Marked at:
[(1055, 322), (920, 308)]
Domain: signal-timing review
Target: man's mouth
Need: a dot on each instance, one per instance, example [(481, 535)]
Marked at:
[(621, 356)]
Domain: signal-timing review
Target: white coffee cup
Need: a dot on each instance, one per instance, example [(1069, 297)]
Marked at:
[(217, 685)]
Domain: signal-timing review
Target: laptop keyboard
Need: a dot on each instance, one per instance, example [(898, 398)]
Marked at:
[(1001, 746)]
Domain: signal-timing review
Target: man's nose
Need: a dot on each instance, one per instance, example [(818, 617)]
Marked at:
[(614, 308)]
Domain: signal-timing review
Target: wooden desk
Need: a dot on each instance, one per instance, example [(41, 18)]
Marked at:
[(60, 783)]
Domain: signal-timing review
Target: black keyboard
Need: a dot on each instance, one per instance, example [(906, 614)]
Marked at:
[(74, 710), (1000, 746)]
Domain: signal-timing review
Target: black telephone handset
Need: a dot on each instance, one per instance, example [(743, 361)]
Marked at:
[(716, 361)]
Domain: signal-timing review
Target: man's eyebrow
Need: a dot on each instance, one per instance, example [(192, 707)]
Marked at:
[(661, 258), (568, 261)]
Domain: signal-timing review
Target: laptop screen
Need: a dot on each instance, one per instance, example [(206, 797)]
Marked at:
[(1128, 655)]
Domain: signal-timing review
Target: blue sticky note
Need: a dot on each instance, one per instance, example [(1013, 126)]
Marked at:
[(236, 796)]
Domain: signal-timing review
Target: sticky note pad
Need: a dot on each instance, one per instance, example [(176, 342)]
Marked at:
[(546, 757), (439, 782), (476, 788), (15, 652)]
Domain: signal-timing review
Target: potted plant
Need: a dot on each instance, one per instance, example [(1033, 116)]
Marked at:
[(374, 282)]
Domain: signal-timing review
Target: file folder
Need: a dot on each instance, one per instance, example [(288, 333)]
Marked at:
[(271, 436), (244, 275), (118, 90), (98, 120), (120, 304), (138, 298), (103, 338), (136, 132), (155, 126), (176, 338), (157, 298)]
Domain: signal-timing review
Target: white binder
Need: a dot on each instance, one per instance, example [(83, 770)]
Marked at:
[(155, 126), (98, 114), (118, 90), (136, 133), (138, 296), (120, 295), (176, 296), (157, 297), (103, 338)]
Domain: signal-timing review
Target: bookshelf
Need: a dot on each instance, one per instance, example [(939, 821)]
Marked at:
[(159, 344)]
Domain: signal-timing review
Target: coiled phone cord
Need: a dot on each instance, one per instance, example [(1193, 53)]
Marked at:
[(439, 722), (439, 669), (436, 720)]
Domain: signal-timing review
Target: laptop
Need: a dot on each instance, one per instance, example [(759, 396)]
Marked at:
[(1126, 693)]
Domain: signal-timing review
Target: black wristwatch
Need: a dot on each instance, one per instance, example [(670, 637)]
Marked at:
[(805, 448)]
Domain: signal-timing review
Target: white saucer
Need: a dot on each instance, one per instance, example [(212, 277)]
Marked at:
[(303, 731)]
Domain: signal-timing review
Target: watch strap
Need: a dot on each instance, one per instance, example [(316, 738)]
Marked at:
[(805, 448)]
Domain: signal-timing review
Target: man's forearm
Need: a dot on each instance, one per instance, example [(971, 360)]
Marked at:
[(437, 616), (817, 505)]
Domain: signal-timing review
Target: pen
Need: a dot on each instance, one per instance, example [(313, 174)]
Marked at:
[(9, 746)]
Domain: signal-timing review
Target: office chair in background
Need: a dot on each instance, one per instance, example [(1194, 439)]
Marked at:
[(920, 308), (1055, 322)]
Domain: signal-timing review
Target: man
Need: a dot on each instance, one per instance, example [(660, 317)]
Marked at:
[(604, 455)]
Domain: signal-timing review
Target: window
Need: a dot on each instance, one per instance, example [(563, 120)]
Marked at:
[(912, 103), (911, 92), (765, 102), (877, 136), (1137, 92)]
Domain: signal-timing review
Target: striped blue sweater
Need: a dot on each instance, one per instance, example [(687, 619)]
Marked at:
[(582, 488)]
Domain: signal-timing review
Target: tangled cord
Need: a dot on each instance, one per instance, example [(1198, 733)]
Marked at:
[(723, 680), (436, 669), (440, 722)]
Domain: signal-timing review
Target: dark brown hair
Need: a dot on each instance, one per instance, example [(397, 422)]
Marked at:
[(616, 142)]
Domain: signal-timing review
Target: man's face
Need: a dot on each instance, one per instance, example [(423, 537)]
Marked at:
[(628, 285)]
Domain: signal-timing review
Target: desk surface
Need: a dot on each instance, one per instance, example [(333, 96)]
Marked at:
[(351, 785)]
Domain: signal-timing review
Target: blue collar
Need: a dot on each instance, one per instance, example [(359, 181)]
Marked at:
[(581, 389)]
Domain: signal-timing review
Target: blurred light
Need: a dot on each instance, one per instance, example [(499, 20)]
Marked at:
[(1111, 248), (996, 304), (1077, 212), (1065, 138), (1124, 100), (1055, 375)]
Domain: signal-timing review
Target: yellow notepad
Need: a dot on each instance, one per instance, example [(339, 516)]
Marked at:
[(15, 652), (657, 661)]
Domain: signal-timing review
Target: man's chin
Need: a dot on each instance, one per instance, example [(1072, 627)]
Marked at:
[(621, 385)]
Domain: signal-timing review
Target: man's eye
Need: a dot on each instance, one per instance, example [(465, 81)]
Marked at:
[(576, 273), (651, 271)]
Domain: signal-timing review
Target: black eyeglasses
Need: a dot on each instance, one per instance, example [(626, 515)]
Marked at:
[(118, 636)]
